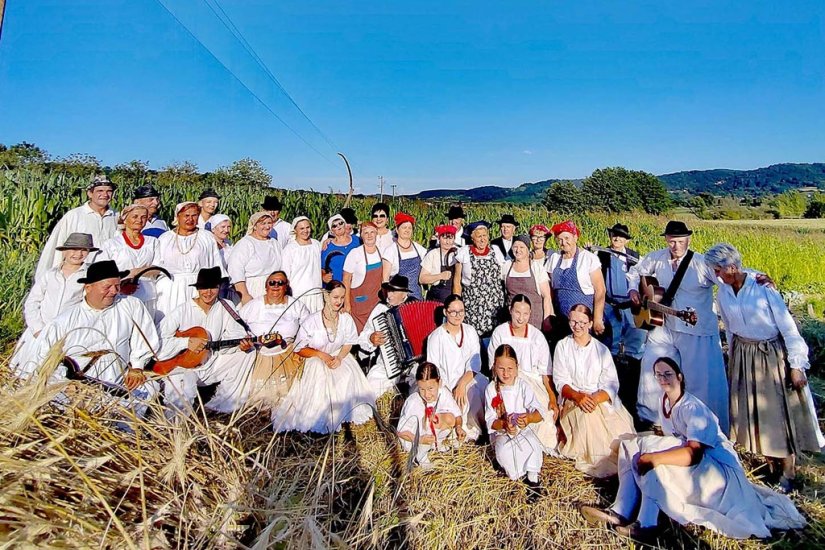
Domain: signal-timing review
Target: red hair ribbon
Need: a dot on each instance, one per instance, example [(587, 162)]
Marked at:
[(567, 226), (432, 418)]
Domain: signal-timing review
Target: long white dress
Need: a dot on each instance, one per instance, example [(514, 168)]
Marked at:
[(77, 220), (128, 258), (113, 330), (715, 493), (455, 356), (302, 264), (252, 261), (230, 367), (323, 398), (183, 257), (523, 452), (592, 438), (414, 418), (533, 364)]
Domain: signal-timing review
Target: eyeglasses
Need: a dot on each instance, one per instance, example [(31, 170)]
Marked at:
[(664, 375), (276, 283), (337, 225), (578, 323), (455, 312), (379, 215)]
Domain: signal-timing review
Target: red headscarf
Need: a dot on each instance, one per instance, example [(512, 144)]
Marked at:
[(402, 217), (539, 228), (445, 229), (567, 226)]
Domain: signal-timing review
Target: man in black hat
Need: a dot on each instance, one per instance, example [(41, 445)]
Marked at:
[(94, 217), (455, 217), (394, 292), (280, 228), (507, 225), (696, 347), (109, 336), (209, 201), (628, 341), (148, 196), (229, 368)]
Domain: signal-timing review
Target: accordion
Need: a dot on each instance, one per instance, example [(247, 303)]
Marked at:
[(406, 328)]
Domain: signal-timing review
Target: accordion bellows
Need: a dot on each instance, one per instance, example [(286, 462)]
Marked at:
[(406, 327)]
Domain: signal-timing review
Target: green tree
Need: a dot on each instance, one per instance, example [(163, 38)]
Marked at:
[(22, 154), (132, 173), (179, 173), (816, 209), (790, 204), (77, 164), (611, 190), (564, 197), (652, 193)]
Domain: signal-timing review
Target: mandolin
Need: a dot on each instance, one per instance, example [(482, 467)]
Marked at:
[(651, 313), (189, 359)]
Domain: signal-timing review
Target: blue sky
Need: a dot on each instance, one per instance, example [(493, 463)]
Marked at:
[(427, 94)]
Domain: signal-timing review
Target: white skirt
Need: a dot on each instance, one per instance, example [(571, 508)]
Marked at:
[(714, 493), (313, 300), (593, 438), (321, 399), (546, 429)]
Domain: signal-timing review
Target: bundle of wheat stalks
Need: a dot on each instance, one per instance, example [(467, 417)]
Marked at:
[(88, 473)]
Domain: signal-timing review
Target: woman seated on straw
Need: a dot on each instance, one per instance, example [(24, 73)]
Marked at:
[(535, 367), (275, 367), (430, 415), (766, 371), (512, 411), (592, 416), (332, 389), (692, 474), (254, 257), (455, 349), (54, 291)]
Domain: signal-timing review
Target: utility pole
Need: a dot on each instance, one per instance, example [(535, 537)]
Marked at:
[(393, 191), (381, 188), (2, 13)]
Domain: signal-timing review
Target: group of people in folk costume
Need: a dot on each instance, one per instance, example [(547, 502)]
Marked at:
[(291, 324)]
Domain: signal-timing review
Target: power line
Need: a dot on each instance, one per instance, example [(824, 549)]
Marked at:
[(227, 22), (242, 83)]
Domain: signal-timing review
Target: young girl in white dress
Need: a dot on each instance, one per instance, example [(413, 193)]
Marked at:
[(511, 409), (691, 473), (431, 414), (332, 388)]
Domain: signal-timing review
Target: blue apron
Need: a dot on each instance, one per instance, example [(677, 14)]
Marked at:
[(567, 292), (411, 269)]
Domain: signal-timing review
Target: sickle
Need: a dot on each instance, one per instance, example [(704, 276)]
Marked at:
[(136, 279), (330, 256)]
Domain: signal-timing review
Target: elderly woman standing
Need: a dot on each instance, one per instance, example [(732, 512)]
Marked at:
[(302, 263), (403, 257), (221, 228), (575, 278), (183, 251), (478, 279), (523, 276), (254, 257), (363, 275), (771, 408), (332, 389), (438, 265), (132, 251)]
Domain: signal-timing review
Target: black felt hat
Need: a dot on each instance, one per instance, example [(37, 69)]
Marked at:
[(145, 192), (455, 212), (619, 230), (676, 229), (107, 269), (349, 216), (209, 194), (209, 277), (397, 283), (508, 218), (272, 202)]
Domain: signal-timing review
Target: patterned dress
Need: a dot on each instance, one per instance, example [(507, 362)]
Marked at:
[(484, 296)]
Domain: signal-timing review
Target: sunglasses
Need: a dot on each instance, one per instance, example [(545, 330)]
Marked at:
[(337, 225), (276, 283), (379, 215)]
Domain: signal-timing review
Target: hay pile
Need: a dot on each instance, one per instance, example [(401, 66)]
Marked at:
[(72, 478)]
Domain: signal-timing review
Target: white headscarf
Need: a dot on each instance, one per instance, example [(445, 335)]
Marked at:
[(255, 218)]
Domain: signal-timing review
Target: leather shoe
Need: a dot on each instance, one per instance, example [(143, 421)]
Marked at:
[(597, 516), (637, 532)]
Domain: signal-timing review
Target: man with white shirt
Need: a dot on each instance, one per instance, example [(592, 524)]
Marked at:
[(229, 368), (94, 217), (697, 348), (111, 338), (281, 230)]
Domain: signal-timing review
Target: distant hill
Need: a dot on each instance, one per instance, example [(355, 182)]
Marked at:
[(761, 181)]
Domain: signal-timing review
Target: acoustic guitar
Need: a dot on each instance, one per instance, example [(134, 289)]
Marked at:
[(651, 313), (189, 359)]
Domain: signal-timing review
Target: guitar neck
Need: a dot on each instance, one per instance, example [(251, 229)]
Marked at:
[(656, 306), (258, 340)]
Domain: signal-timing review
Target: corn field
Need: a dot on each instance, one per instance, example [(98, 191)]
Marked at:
[(32, 202)]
